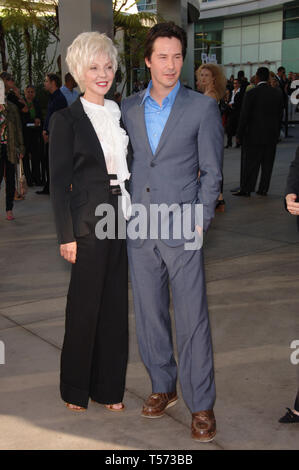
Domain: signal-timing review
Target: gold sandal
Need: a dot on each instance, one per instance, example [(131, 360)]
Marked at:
[(78, 409), (110, 407)]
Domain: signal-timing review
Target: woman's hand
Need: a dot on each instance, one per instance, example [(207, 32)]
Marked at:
[(292, 205), (69, 252)]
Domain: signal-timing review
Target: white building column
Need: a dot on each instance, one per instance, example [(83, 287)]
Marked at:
[(78, 16), (183, 13)]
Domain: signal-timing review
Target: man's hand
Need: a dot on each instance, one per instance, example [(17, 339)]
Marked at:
[(292, 206), (69, 252)]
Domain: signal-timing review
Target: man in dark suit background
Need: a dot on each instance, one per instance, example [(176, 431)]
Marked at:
[(56, 102), (282, 83), (234, 109), (258, 132)]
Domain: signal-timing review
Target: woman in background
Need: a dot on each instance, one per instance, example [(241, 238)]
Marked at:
[(212, 82), (11, 147)]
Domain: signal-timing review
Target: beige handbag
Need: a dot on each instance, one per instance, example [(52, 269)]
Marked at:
[(22, 183)]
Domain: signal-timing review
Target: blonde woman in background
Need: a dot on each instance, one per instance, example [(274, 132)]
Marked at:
[(211, 81)]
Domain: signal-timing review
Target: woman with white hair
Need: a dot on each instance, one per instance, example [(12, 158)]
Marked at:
[(88, 167)]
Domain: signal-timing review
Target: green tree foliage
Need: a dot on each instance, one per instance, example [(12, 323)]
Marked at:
[(135, 27), (28, 30)]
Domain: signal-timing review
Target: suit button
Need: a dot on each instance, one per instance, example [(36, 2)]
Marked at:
[(153, 164)]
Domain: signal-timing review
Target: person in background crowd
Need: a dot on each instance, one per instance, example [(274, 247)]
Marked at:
[(252, 83), (224, 107), (234, 109), (230, 83), (12, 92), (68, 89), (136, 87), (211, 81), (31, 120), (292, 205), (243, 84), (56, 102), (11, 147), (258, 133), (283, 83), (273, 82), (117, 98), (291, 106)]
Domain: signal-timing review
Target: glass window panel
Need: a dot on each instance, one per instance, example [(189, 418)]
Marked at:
[(213, 36), (250, 20), (232, 37), (250, 34), (213, 26), (218, 52), (250, 54), (232, 22), (291, 13), (271, 32), (270, 17), (271, 52), (291, 29), (231, 55)]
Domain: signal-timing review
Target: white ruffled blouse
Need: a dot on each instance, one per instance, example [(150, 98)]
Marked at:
[(114, 142)]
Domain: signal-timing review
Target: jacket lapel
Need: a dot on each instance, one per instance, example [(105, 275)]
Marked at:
[(89, 133), (176, 113), (140, 124)]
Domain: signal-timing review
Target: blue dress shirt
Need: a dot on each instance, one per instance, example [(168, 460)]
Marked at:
[(70, 96), (156, 116)]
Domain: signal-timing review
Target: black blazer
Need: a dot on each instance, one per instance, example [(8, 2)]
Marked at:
[(261, 116), (79, 181), (292, 186)]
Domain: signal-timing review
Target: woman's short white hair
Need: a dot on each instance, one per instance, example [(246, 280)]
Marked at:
[(83, 51)]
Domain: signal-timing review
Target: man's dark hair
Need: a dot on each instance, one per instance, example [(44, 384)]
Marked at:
[(281, 69), (263, 74), (164, 30), (29, 86), (54, 78), (68, 76), (241, 74)]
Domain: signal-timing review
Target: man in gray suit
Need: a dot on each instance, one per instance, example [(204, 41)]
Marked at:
[(175, 133)]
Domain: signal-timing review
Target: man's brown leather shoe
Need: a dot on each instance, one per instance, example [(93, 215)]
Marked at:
[(157, 403), (203, 426)]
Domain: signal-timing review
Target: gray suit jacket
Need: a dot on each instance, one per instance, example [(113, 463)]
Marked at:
[(192, 140)]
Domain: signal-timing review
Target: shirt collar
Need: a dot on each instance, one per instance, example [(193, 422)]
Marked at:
[(170, 98)]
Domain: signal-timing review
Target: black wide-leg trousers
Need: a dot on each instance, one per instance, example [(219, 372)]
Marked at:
[(95, 348), (8, 169), (256, 157)]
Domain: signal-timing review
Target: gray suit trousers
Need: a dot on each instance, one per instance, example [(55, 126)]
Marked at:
[(154, 266)]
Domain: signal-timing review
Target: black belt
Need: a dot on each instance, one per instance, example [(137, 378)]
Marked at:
[(115, 190)]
